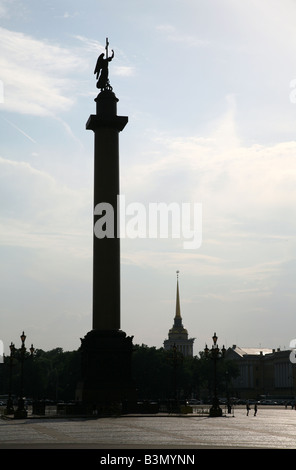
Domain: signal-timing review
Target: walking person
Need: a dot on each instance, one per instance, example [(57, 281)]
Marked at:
[(248, 408), (255, 409)]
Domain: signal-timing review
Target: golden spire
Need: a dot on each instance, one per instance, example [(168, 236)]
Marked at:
[(178, 327), (178, 310)]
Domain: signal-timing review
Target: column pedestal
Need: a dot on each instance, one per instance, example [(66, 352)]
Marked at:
[(106, 371)]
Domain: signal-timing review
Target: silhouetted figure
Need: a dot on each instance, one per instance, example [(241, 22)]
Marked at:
[(255, 409), (102, 70), (248, 408)]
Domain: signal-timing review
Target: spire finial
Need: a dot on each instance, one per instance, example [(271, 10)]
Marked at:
[(178, 310)]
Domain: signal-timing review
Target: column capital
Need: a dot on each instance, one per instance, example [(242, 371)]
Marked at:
[(96, 122)]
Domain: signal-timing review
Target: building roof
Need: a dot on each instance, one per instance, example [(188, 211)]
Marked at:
[(251, 351)]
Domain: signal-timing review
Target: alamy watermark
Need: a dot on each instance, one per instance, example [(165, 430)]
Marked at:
[(156, 220)]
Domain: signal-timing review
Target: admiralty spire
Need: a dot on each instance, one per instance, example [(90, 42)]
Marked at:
[(178, 335)]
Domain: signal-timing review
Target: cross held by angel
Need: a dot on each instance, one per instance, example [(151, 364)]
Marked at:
[(101, 69)]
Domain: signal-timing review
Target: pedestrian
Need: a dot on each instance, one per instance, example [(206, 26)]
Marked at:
[(255, 409), (248, 408)]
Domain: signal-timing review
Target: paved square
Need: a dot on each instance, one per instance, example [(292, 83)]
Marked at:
[(271, 428)]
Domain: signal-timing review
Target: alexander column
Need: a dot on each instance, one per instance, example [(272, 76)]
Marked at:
[(106, 350)]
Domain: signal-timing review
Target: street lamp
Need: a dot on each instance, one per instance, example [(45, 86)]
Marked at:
[(21, 411), (215, 353), (9, 407)]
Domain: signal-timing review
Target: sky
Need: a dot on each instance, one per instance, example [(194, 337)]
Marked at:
[(209, 87)]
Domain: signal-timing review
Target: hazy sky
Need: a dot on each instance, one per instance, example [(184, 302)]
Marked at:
[(209, 87)]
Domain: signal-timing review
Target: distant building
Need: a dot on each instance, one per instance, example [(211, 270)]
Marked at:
[(178, 335), (263, 373)]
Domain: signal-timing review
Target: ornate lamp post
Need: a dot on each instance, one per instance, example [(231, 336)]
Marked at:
[(9, 407), (21, 411), (215, 353)]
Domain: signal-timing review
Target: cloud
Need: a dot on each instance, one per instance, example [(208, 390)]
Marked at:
[(124, 71), (224, 173), (37, 76), (20, 130), (91, 45), (173, 35), (248, 195), (46, 249), (38, 212), (9, 9)]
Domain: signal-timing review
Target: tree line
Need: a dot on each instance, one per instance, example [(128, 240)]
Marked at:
[(157, 374)]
